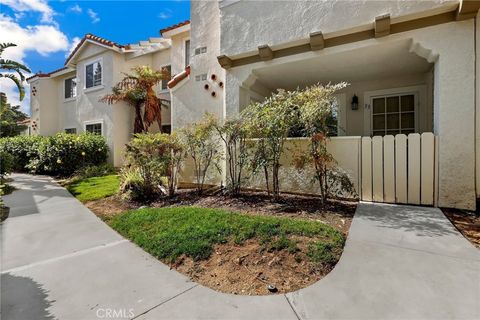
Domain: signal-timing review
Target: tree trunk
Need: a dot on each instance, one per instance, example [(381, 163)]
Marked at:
[(138, 126)]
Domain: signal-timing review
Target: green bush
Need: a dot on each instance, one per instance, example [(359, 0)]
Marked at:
[(61, 154), (23, 148), (6, 164)]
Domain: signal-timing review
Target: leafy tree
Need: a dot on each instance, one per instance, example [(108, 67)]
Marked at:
[(316, 105), (203, 146), (10, 66), (138, 91), (270, 122), (234, 135), (10, 116)]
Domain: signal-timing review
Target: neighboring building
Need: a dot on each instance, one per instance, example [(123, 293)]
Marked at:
[(411, 66), (68, 99)]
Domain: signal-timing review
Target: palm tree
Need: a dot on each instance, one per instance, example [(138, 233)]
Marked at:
[(9, 66), (138, 90)]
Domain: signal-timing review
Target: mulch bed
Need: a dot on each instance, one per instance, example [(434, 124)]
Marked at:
[(247, 269), (466, 222)]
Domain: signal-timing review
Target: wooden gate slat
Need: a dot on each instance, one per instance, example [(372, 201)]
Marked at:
[(414, 168), (389, 169), (401, 168), (377, 167), (366, 169), (427, 168)]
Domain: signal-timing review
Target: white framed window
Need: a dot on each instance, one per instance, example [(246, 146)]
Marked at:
[(187, 53), (95, 127), (165, 82), (393, 114), (71, 130), (93, 74), (70, 88)]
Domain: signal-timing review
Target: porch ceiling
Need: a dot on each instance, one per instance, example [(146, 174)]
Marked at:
[(375, 62)]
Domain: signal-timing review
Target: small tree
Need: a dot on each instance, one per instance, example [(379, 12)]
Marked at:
[(10, 117), (234, 136), (202, 145), (137, 90), (316, 107), (270, 122), (173, 154)]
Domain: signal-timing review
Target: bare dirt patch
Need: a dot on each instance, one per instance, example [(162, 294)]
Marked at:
[(248, 269), (467, 223)]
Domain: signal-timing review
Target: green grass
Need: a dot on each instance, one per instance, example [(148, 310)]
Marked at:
[(94, 188), (168, 233)]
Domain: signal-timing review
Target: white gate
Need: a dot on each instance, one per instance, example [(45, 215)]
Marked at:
[(398, 169)]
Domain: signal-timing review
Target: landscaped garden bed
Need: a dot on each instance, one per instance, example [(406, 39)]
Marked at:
[(233, 252)]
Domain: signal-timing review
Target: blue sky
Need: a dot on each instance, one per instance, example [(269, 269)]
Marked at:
[(46, 31)]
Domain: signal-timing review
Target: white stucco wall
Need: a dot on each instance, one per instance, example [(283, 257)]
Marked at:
[(247, 24), (66, 108), (44, 106), (189, 98)]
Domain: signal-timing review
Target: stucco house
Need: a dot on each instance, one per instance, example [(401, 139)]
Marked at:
[(67, 99), (411, 66)]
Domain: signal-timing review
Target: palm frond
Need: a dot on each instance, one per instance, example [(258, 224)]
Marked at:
[(19, 84), (6, 63), (4, 46)]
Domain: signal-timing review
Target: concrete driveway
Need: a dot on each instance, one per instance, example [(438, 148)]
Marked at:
[(59, 261)]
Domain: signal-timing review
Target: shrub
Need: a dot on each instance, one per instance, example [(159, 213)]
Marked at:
[(23, 148), (6, 164), (203, 145), (61, 154), (152, 161)]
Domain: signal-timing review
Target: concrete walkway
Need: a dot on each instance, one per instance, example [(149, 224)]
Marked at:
[(60, 262)]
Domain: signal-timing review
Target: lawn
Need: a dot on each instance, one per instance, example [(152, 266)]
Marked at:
[(170, 233), (95, 188)]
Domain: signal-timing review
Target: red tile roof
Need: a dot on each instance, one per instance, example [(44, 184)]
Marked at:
[(179, 77), (46, 75), (175, 26), (97, 39)]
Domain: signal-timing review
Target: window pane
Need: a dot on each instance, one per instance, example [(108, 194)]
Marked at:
[(378, 122), (187, 53), (408, 120), (393, 121), (165, 82), (408, 103), (95, 128), (70, 88), (71, 130), (89, 76), (97, 76), (379, 133), (392, 104), (379, 105)]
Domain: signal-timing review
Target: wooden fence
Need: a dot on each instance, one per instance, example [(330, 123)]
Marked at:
[(398, 169)]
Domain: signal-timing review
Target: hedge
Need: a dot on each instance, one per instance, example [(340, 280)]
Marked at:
[(61, 154)]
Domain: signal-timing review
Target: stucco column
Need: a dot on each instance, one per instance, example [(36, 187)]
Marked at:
[(454, 113)]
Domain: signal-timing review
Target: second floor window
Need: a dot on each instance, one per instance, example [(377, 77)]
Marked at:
[(93, 74), (187, 53), (70, 88), (165, 82)]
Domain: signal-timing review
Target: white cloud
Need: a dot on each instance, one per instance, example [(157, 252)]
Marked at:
[(40, 6), (93, 15), (76, 8), (10, 89), (167, 13), (73, 45), (44, 39)]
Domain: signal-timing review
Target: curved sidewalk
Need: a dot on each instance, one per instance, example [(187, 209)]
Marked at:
[(59, 261)]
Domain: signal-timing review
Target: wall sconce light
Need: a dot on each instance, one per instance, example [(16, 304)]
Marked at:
[(354, 102)]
